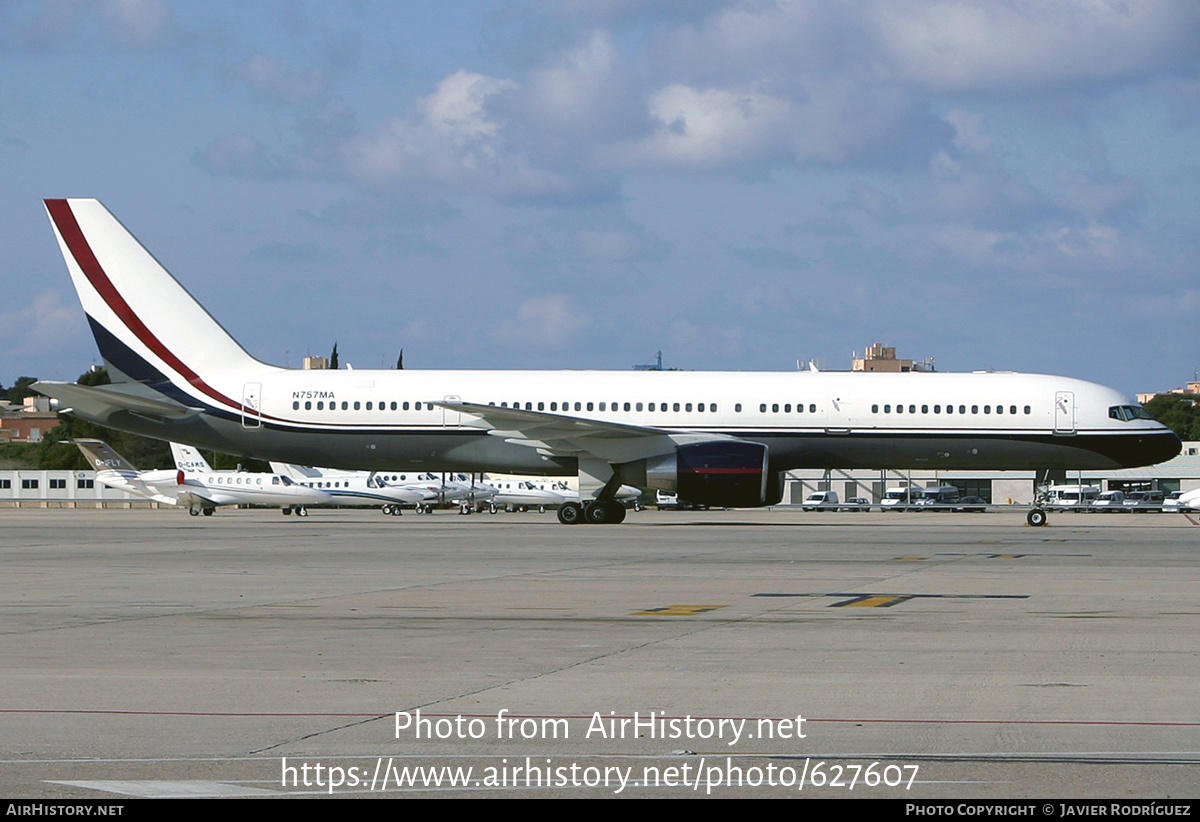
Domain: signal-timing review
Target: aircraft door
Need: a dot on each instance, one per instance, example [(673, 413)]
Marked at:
[(451, 418), (1064, 412), (251, 405)]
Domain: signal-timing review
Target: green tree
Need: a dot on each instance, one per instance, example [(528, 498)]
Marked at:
[(1179, 412)]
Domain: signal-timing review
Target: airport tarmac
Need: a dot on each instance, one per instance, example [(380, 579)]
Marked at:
[(930, 655)]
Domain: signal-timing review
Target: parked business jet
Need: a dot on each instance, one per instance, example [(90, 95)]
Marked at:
[(523, 493), (721, 439), (388, 489), (194, 485)]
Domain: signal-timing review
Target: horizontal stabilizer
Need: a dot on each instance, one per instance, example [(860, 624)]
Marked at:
[(101, 401)]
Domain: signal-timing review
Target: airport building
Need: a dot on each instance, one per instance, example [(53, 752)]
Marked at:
[(996, 487)]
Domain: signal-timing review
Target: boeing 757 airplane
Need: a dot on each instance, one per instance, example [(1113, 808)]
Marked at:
[(196, 486), (721, 439)]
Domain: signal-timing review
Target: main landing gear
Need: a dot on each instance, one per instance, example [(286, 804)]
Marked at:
[(595, 512)]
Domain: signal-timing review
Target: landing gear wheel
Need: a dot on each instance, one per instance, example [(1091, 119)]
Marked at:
[(386, 510), (541, 509), (616, 512), (1036, 517), (570, 513), (492, 509), (193, 512), (595, 513), (302, 511)]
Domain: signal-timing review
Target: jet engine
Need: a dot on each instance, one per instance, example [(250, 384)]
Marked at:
[(725, 473)]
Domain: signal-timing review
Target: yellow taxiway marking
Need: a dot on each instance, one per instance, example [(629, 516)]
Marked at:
[(677, 610)]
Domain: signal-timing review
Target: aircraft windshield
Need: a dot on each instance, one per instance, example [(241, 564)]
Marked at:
[(1126, 413)]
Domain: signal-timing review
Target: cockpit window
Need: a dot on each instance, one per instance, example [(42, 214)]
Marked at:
[(1126, 413)]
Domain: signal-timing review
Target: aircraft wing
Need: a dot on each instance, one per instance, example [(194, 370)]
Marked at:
[(195, 495), (102, 400), (561, 435)]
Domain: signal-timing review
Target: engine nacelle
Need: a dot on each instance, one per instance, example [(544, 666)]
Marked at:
[(727, 473)]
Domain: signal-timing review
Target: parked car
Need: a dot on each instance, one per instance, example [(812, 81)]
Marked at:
[(1144, 501), (1172, 505), (857, 504), (1110, 501), (975, 505)]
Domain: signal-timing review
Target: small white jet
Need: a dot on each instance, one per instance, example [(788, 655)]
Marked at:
[(390, 489), (522, 493), (1189, 501), (199, 489)]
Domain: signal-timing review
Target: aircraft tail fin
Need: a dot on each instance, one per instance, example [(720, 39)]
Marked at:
[(294, 471), (148, 328), (102, 457), (189, 459)]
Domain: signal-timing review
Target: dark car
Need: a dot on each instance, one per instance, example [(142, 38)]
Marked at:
[(971, 504)]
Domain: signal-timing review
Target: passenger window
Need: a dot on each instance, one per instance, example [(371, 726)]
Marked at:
[(737, 407), (763, 408)]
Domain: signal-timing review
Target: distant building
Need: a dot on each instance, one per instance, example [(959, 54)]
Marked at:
[(315, 363), (28, 423), (879, 358), (1188, 388)]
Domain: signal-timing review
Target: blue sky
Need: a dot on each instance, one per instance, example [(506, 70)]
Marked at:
[(578, 184)]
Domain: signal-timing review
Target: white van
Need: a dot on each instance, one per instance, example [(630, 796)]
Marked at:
[(821, 501), (1072, 497), (901, 498), (939, 498), (1110, 501)]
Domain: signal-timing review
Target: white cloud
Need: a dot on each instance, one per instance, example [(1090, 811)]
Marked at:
[(578, 88), (455, 141), (45, 324), (136, 23), (710, 127), (989, 44), (274, 77), (546, 320)]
